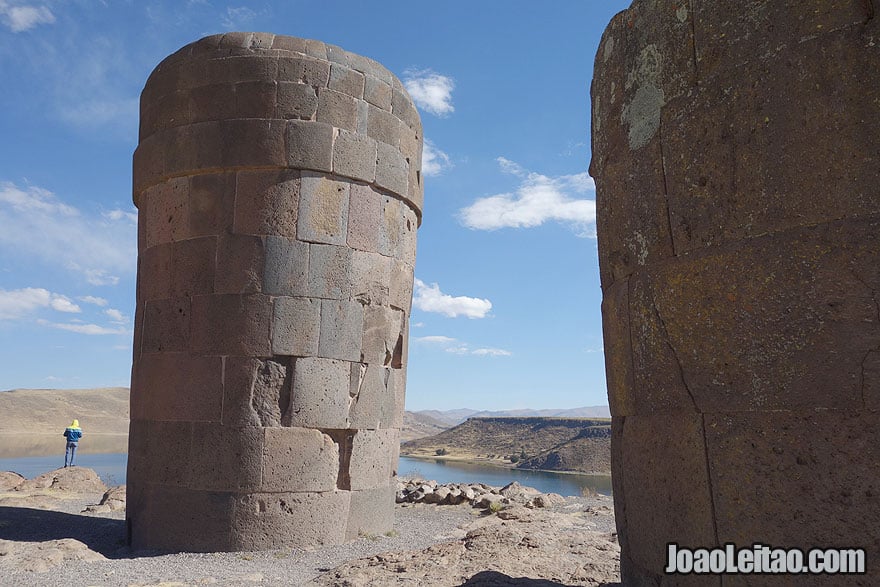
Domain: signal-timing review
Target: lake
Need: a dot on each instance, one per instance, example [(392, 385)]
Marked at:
[(111, 468)]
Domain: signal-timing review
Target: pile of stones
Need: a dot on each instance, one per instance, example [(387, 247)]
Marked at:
[(478, 495)]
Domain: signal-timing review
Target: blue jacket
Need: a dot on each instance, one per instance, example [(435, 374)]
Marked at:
[(73, 434)]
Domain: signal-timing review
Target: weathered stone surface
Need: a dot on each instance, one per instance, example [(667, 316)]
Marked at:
[(296, 326), (323, 210), (299, 460), (735, 154), (319, 397), (371, 512), (270, 177)]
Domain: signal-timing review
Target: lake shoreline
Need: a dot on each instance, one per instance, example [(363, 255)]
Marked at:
[(498, 463)]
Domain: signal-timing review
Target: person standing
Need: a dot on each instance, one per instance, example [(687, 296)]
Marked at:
[(72, 433)]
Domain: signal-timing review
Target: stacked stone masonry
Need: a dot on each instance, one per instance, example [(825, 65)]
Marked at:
[(279, 191), (736, 151)]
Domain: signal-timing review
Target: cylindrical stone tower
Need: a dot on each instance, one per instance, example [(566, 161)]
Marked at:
[(278, 186), (736, 151)]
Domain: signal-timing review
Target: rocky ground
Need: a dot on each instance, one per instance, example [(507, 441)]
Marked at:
[(65, 527)]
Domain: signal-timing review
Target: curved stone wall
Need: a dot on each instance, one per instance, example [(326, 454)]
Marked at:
[(278, 186), (736, 151)]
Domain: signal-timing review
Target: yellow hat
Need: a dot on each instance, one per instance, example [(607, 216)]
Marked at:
[(75, 424)]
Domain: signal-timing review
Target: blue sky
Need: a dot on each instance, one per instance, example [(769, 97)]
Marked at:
[(507, 303)]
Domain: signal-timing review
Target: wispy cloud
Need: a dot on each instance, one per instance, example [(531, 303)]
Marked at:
[(237, 17), (89, 329), (457, 347), (22, 17), (434, 161), (538, 199), (18, 303), (94, 300), (429, 298), (38, 224), (430, 91), (116, 316)]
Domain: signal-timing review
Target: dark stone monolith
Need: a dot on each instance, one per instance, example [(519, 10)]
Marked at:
[(736, 151), (278, 186)]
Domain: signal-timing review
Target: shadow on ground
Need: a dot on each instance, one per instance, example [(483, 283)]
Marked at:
[(496, 579), (103, 535)]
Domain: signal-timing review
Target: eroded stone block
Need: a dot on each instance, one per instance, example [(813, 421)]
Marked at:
[(296, 326), (287, 267), (372, 463), (341, 323), (299, 460), (319, 397), (323, 210), (371, 512)]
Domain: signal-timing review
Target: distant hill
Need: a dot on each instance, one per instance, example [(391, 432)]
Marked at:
[(455, 417), (557, 444)]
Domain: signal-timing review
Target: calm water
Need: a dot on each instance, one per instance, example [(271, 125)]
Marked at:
[(111, 469)]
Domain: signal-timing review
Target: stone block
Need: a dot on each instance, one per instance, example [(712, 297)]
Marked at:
[(253, 143), (618, 349), (370, 67), (371, 513), (354, 156), (265, 521), (195, 147), (407, 249), (323, 209), (319, 397), (337, 109), (346, 80), (298, 460), (230, 324), (178, 519), (174, 386), (364, 215), (159, 452), (392, 407), (165, 325), (241, 260), (369, 395), (164, 212), (255, 99), (266, 202), (391, 169), (391, 226), (239, 377), (148, 165), (384, 126), (310, 145), (241, 68), (342, 324), (377, 92), (371, 458), (312, 72), (154, 272), (401, 291), (287, 267), (403, 108), (411, 147), (337, 55), (193, 264), (210, 102), (787, 466), (309, 47), (296, 100), (370, 276), (329, 268), (664, 449), (209, 204), (225, 458), (167, 111), (296, 326), (382, 336)]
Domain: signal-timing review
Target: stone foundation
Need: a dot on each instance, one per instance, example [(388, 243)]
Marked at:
[(279, 191), (737, 163)]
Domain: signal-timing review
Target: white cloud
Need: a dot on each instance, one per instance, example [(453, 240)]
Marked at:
[(537, 200), (237, 17), (434, 161), (17, 303), (79, 328), (430, 91), (116, 316), (21, 18), (429, 298), (457, 347), (94, 300), (37, 223)]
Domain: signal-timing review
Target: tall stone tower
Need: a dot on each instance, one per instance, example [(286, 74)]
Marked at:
[(278, 186), (736, 151)]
